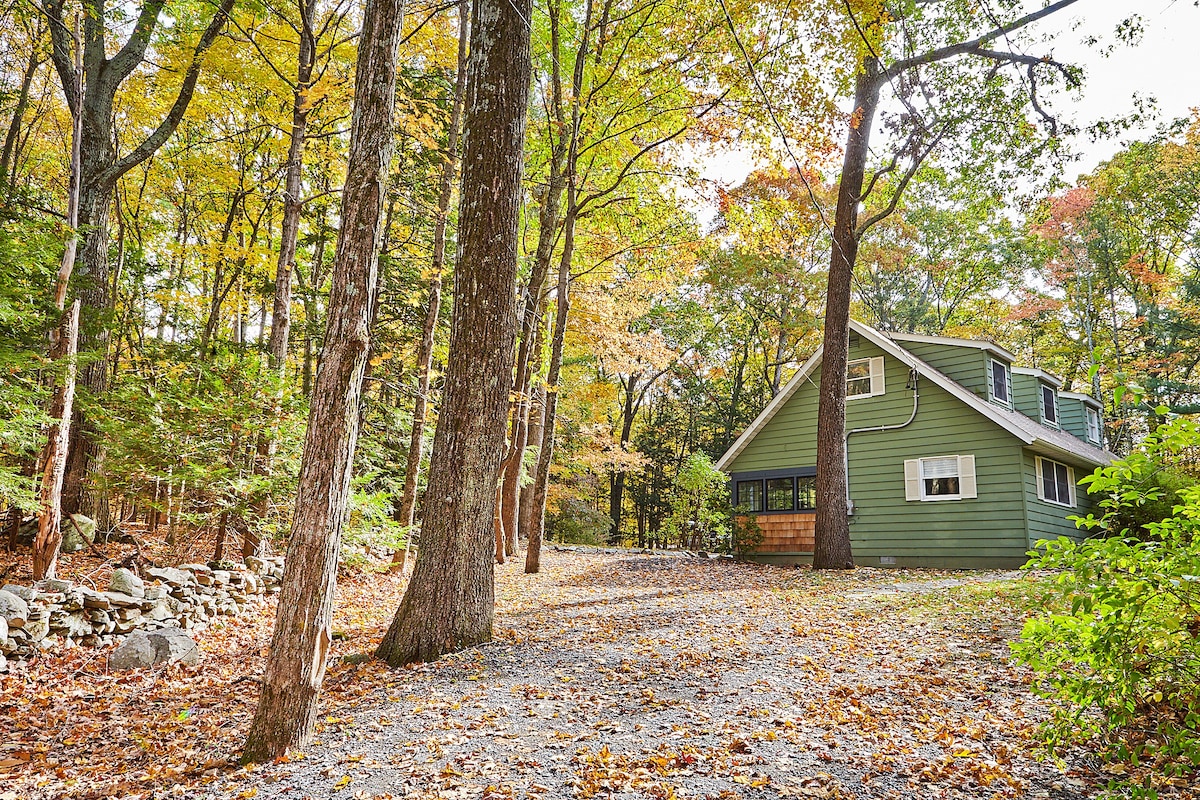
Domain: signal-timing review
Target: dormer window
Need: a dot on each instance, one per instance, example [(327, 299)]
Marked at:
[(1049, 405), (1093, 425), (1001, 386)]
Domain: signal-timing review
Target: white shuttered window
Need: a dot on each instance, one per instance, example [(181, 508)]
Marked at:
[(940, 478)]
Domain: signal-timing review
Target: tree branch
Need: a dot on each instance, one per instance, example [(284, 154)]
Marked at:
[(163, 132), (131, 54)]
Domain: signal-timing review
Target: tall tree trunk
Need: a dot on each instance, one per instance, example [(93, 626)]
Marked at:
[(616, 494), (296, 665), (541, 477), (289, 233), (8, 156), (416, 443), (537, 407), (832, 548), (449, 603)]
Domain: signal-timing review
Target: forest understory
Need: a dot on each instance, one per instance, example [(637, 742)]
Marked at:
[(610, 676)]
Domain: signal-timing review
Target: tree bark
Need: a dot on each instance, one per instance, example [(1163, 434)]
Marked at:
[(537, 406), (281, 306), (541, 478), (54, 456), (296, 665), (832, 546), (8, 156), (416, 444), (449, 603)]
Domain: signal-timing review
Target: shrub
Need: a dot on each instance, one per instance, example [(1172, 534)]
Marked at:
[(1119, 648), (575, 521)]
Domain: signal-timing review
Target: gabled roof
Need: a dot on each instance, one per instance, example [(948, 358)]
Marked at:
[(1040, 374), (1086, 398), (978, 344), (1041, 438)]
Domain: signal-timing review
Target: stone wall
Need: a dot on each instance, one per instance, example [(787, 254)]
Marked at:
[(56, 613)]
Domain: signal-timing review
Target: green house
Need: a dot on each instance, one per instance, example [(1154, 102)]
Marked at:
[(956, 458)]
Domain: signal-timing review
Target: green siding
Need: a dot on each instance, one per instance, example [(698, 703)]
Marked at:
[(965, 365), (1048, 520), (988, 529), (1073, 417), (1027, 397)]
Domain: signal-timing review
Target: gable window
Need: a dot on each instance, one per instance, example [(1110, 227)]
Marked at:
[(750, 495), (780, 494), (1056, 482), (1001, 382), (940, 478), (864, 378), (1049, 405), (1093, 425)]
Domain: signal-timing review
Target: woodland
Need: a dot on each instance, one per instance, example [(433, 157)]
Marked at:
[(441, 304)]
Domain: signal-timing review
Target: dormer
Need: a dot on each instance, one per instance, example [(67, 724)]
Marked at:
[(981, 366), (1036, 393), (1082, 416)]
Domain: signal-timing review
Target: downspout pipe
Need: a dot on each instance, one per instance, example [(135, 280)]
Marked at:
[(913, 377)]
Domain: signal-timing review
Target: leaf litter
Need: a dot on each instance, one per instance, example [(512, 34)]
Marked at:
[(610, 676)]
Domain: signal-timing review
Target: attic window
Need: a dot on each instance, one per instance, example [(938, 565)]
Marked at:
[(1093, 425), (1001, 383), (1049, 405), (864, 378)]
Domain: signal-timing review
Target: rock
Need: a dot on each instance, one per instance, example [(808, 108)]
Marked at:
[(156, 592), (78, 532), (146, 649), (256, 565), (52, 585), (204, 579), (161, 611), (221, 577), (13, 609), (24, 592), (3, 629), (37, 629), (123, 600), (199, 569), (126, 582), (175, 578), (127, 614), (3, 663), (95, 600)]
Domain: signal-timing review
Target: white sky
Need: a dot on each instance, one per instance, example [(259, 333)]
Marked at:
[(1162, 66)]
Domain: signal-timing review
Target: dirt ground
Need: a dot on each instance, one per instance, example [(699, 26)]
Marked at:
[(612, 676)]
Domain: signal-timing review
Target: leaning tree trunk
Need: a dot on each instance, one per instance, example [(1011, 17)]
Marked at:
[(281, 307), (541, 477), (416, 444), (449, 604), (54, 455), (292, 681), (832, 546)]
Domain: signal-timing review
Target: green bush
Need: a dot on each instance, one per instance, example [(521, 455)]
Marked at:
[(575, 521), (700, 515), (1119, 646)]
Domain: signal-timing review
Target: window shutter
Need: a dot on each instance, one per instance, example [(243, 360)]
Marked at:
[(877, 375), (1008, 384), (966, 477), (912, 479), (1071, 483), (1041, 487), (991, 381)]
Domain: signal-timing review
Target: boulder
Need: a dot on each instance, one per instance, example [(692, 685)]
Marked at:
[(3, 629), (146, 649), (78, 532), (95, 600), (126, 582), (171, 576), (37, 629), (121, 599), (13, 609), (52, 585), (24, 592)]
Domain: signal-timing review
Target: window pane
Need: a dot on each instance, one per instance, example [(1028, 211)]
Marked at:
[(1049, 487), (941, 486), (750, 495), (1064, 483), (779, 494), (858, 377), (940, 475), (806, 492), (1093, 423), (1048, 411), (999, 381)]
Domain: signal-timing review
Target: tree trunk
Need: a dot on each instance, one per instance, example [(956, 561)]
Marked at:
[(541, 478), (296, 665), (537, 406), (449, 603), (412, 467), (8, 156), (832, 547), (281, 307), (54, 456)]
